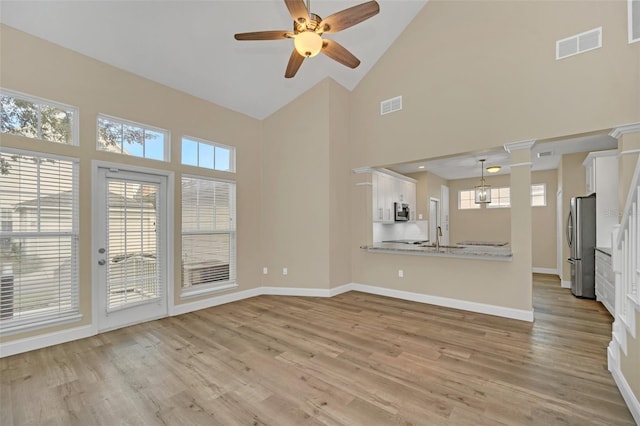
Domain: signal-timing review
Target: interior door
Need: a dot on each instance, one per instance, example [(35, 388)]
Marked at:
[(131, 256), (444, 213)]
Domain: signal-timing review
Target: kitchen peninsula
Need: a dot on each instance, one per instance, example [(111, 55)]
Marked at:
[(484, 252)]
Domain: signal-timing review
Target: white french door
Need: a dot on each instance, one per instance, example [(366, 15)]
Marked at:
[(131, 247)]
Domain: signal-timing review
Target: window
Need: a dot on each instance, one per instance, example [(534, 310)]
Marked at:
[(39, 235), (129, 138), (500, 198), (467, 200), (209, 155), (633, 10), (36, 118), (538, 195), (208, 235)]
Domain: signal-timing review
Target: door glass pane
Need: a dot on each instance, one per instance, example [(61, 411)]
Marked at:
[(132, 247)]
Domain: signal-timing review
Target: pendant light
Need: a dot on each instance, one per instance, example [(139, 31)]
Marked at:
[(483, 191)]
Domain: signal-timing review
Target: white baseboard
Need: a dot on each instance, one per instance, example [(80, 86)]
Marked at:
[(215, 301), (548, 271), (519, 314), (627, 394), (28, 344), (44, 340), (565, 284)]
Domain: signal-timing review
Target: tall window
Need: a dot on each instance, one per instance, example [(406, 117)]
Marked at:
[(467, 200), (38, 240), (37, 118), (209, 155), (129, 138), (208, 235)]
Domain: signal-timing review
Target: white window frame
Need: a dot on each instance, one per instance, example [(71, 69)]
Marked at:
[(75, 122), (232, 153), (474, 206), (205, 289), (493, 204), (544, 186), (166, 149), (631, 4), (47, 320)]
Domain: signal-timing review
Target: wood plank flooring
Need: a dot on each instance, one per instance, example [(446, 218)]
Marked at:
[(354, 359)]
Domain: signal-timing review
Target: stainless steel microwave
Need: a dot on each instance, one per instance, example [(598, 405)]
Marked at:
[(401, 212)]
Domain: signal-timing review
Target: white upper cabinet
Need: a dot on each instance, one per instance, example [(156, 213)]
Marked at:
[(388, 189)]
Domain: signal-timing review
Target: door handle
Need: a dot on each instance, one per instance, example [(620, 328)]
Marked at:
[(101, 262)]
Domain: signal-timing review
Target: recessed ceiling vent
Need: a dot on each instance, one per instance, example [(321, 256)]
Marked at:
[(579, 43), (545, 154), (391, 105)]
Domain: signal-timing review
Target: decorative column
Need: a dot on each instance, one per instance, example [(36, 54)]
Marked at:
[(521, 229)]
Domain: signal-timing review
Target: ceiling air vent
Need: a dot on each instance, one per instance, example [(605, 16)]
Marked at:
[(391, 105), (545, 154), (579, 43)]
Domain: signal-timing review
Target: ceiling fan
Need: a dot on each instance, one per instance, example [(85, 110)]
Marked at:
[(308, 29)]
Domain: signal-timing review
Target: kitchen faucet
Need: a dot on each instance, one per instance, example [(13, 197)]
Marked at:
[(438, 235)]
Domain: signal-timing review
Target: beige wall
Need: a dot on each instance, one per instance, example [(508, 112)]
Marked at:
[(305, 189), (573, 177), (428, 185), (58, 74)]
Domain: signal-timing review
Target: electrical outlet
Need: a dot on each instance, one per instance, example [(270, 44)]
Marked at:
[(265, 270), (285, 271), (420, 216), (400, 273)]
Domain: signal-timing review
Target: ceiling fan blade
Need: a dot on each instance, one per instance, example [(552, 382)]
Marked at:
[(294, 64), (298, 10), (264, 35), (335, 51), (349, 17)]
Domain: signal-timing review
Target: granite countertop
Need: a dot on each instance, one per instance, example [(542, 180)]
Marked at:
[(605, 250), (467, 252)]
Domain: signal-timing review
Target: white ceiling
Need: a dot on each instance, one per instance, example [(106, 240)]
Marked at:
[(189, 45), (468, 165)]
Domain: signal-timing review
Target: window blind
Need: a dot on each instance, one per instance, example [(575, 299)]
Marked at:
[(38, 240), (208, 233)]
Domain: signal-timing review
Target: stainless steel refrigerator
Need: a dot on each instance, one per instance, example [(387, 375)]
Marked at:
[(581, 236)]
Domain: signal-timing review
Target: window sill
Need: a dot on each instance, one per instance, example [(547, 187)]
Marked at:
[(205, 289), (22, 328)]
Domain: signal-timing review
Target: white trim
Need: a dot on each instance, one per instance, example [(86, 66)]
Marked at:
[(565, 283), (526, 163), (501, 311), (513, 146), (623, 386), (549, 271), (629, 151), (44, 340), (624, 129), (630, 34), (599, 154), (204, 289), (184, 308)]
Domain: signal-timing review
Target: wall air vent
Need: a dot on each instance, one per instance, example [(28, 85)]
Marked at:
[(391, 105), (579, 43), (545, 154)]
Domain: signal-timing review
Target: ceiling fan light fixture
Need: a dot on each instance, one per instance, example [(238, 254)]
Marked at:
[(308, 43)]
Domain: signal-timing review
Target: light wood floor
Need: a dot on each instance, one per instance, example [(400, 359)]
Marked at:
[(354, 359)]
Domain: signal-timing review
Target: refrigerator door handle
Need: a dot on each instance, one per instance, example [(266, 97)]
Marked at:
[(570, 229), (571, 261)]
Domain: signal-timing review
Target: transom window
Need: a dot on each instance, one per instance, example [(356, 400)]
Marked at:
[(38, 241), (208, 155), (37, 118), (135, 139), (500, 198), (467, 200)]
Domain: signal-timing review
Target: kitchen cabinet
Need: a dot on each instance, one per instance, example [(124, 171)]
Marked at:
[(605, 281), (388, 189), (601, 169)]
